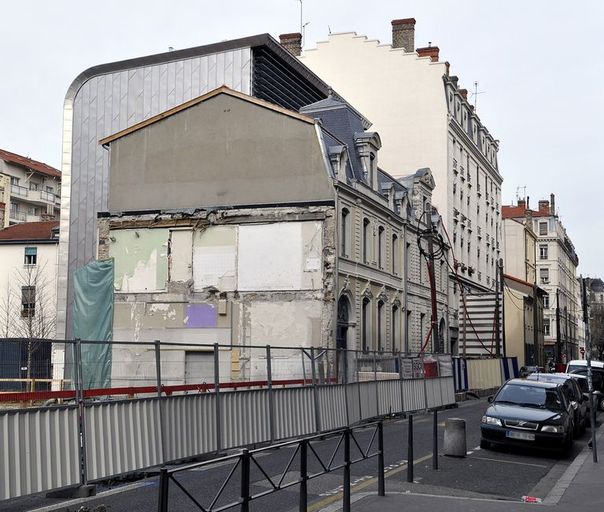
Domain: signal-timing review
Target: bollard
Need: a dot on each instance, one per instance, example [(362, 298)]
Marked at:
[(455, 437)]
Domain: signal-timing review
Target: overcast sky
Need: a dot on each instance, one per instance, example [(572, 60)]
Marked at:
[(539, 63)]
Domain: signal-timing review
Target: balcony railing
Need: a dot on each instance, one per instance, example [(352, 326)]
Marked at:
[(18, 190)]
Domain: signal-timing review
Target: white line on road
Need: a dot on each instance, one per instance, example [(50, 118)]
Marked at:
[(512, 462)]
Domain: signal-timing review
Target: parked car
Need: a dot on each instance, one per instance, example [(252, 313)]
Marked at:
[(574, 395), (579, 367), (528, 413), (528, 370)]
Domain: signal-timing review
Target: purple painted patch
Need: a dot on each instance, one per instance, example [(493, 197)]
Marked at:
[(201, 315)]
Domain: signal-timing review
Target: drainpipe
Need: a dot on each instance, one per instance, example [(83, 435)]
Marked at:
[(336, 268), (405, 278)]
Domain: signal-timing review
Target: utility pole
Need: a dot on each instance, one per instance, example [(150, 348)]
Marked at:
[(497, 306), (432, 279), (558, 338), (590, 385)]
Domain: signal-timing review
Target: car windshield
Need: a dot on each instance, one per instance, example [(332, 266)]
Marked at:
[(529, 396)]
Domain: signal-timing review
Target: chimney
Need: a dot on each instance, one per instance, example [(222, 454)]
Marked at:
[(292, 43), (429, 51), (544, 206), (464, 93), (522, 203), (527, 201), (552, 202), (2, 213), (403, 34)]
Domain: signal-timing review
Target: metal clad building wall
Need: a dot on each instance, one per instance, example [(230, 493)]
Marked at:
[(106, 104), (332, 406), (39, 451), (190, 425), (122, 437), (294, 412), (244, 417)]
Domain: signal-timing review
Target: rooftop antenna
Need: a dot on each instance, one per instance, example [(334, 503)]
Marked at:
[(329, 29), (518, 189), (170, 48), (304, 31), (475, 95)]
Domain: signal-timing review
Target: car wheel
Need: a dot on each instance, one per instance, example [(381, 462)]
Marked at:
[(484, 444)]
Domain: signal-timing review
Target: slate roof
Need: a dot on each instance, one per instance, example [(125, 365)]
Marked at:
[(34, 165), (341, 121), (30, 231)]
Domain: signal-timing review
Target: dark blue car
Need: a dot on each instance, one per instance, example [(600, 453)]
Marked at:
[(528, 414)]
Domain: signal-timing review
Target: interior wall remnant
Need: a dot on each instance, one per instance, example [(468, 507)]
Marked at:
[(280, 256), (181, 246), (141, 259), (214, 258)]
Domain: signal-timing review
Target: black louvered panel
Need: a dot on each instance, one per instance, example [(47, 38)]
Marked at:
[(275, 81)]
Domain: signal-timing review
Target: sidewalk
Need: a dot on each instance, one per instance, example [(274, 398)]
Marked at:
[(579, 488)]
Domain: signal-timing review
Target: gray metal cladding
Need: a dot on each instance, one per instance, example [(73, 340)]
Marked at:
[(244, 417), (414, 395), (106, 104), (189, 425), (389, 393), (122, 437), (294, 412), (332, 406), (38, 451)]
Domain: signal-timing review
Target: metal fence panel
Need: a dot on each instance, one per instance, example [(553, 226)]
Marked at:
[(294, 412), (434, 396), (244, 417), (354, 405), (369, 406), (122, 437), (332, 406), (39, 451), (389, 393), (189, 425), (447, 389), (413, 395)]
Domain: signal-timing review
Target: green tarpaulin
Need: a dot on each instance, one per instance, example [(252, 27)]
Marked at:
[(93, 320)]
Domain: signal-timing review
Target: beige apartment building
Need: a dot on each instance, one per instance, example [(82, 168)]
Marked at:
[(425, 119), (556, 263), (30, 189)]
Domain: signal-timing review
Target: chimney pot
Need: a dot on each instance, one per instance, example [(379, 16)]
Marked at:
[(544, 206), (552, 202), (403, 34), (292, 43), (429, 51)]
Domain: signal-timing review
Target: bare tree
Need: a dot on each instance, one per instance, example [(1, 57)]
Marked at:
[(27, 311)]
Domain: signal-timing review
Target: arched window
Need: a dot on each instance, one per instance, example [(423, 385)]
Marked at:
[(344, 228), (394, 254), (381, 246), (366, 240), (366, 327)]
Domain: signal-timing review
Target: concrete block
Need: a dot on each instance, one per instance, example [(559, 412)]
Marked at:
[(455, 437)]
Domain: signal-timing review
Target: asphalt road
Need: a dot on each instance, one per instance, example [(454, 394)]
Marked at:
[(508, 474)]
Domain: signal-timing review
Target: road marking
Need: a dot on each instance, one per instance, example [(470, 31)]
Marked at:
[(319, 505), (512, 462)]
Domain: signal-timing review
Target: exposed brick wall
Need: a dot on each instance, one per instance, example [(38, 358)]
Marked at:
[(429, 51)]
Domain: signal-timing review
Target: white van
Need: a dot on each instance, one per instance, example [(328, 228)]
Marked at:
[(597, 371)]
